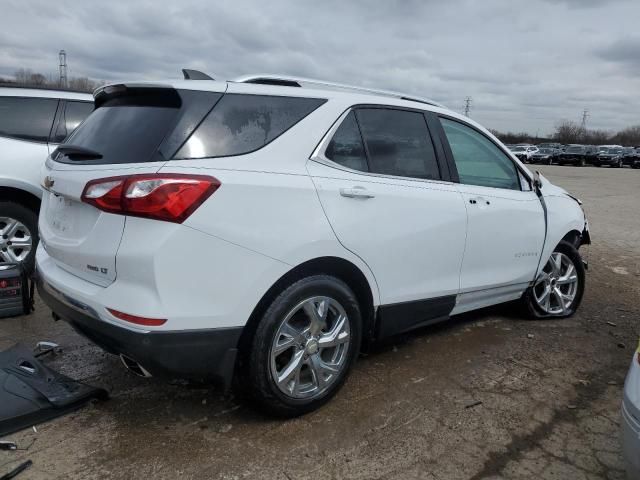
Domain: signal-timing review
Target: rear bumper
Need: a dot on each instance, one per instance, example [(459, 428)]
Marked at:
[(191, 354)]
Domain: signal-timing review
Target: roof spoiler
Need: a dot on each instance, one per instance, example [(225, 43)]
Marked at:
[(195, 75)]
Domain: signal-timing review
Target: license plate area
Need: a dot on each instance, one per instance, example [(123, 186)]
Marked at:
[(60, 213)]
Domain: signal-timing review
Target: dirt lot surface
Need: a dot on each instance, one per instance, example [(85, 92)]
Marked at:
[(549, 390)]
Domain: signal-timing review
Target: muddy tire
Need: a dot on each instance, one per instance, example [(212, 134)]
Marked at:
[(558, 290), (304, 347)]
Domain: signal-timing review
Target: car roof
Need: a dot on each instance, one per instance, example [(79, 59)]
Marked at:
[(288, 86), (44, 93), (344, 94)]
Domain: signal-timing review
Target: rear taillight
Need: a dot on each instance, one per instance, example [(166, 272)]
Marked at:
[(169, 197)]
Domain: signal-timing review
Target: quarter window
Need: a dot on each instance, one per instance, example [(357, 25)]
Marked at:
[(478, 160), (241, 124), (27, 118), (346, 146)]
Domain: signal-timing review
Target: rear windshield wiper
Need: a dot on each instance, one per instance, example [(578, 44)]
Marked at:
[(76, 152)]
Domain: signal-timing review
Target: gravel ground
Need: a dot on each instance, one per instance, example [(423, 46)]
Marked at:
[(487, 395)]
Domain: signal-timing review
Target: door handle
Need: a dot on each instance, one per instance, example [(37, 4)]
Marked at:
[(480, 200), (356, 192)]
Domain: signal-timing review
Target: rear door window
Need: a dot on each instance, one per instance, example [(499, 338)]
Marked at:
[(398, 143), (73, 114), (240, 124), (27, 118)]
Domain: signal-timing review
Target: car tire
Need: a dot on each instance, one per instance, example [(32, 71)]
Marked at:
[(582, 163), (19, 234), (564, 270), (287, 345)]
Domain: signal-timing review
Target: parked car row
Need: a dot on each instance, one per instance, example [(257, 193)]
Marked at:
[(579, 155)]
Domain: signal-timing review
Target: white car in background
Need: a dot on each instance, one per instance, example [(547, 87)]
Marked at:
[(524, 152), (631, 419), (268, 227), (32, 123)]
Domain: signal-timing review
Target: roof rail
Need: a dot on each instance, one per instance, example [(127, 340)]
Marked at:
[(284, 80)]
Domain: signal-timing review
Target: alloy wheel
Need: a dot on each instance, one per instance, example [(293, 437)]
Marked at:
[(310, 348), (557, 285), (16, 241)]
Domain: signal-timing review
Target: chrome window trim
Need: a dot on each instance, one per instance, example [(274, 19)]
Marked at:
[(318, 154)]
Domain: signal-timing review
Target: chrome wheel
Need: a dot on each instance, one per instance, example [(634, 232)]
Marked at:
[(15, 240), (309, 350), (557, 285)]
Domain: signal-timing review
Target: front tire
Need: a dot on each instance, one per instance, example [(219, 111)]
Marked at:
[(18, 234), (304, 346), (558, 290)]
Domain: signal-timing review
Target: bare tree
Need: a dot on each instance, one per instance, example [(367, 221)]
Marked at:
[(568, 132), (630, 136)]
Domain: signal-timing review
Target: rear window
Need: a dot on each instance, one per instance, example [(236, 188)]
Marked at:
[(125, 130), (240, 124), (27, 118)]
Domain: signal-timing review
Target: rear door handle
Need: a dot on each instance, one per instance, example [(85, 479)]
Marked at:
[(479, 200), (356, 192)]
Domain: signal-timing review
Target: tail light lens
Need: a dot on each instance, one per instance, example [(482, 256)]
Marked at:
[(168, 197), (147, 322)]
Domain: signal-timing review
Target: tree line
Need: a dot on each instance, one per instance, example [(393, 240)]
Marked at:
[(25, 77), (567, 131)]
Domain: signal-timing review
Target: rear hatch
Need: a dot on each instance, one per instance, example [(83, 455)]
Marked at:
[(133, 130)]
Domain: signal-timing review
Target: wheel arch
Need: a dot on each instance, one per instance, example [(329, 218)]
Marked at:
[(18, 195), (338, 267)]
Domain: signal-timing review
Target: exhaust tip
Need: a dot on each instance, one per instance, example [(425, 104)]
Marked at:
[(134, 367)]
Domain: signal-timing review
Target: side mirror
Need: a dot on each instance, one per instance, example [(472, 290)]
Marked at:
[(537, 182)]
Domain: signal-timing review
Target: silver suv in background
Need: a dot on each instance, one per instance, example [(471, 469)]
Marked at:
[(32, 123)]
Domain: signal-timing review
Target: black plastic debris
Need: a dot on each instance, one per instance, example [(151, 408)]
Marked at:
[(16, 471), (31, 393)]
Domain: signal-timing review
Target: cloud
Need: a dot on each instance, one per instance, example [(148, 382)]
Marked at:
[(624, 51), (525, 67)]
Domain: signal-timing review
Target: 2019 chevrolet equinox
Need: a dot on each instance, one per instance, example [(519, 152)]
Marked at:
[(264, 229)]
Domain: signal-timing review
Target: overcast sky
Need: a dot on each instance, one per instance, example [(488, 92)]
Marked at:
[(526, 64)]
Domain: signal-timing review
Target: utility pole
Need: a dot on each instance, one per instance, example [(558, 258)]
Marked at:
[(62, 56), (467, 106), (585, 115)]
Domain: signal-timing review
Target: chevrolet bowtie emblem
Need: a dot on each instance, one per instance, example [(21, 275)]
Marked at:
[(48, 182)]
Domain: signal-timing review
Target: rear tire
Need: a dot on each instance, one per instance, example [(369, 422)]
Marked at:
[(558, 290), (299, 359), (18, 234)]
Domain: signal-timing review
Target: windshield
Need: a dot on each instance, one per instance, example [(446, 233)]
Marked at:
[(545, 150), (614, 150), (518, 149), (575, 149)]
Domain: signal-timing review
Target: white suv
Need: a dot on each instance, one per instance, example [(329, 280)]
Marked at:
[(269, 227), (32, 122)]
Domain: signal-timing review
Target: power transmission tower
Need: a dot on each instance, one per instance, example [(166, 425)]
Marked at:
[(62, 56), (585, 115), (467, 106)]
